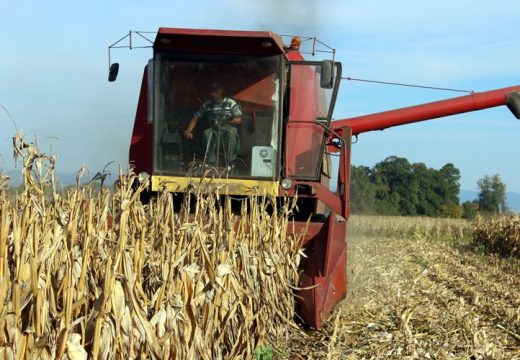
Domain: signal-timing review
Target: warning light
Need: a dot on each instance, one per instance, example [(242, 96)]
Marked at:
[(295, 43)]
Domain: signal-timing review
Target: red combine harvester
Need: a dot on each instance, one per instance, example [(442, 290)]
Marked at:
[(285, 135)]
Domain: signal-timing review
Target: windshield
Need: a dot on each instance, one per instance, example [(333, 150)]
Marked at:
[(218, 113)]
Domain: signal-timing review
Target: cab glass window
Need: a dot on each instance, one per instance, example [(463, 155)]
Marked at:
[(216, 113)]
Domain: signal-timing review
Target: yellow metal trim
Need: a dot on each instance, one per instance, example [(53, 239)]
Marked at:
[(225, 186)]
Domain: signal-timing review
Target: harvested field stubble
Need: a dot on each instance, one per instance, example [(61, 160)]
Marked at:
[(103, 277), (415, 295)]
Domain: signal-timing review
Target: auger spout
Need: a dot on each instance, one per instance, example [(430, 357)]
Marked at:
[(509, 96)]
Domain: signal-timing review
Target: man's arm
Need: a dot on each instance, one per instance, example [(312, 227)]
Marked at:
[(236, 113), (188, 133), (236, 120)]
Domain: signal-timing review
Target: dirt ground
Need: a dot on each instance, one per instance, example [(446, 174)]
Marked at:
[(418, 298)]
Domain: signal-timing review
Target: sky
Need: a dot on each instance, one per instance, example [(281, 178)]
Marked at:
[(54, 67)]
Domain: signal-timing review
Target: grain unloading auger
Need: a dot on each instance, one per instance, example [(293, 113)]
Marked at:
[(285, 135)]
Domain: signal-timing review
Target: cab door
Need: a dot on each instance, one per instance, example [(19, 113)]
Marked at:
[(310, 113)]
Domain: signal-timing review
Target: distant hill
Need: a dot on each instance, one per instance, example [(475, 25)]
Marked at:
[(512, 198)]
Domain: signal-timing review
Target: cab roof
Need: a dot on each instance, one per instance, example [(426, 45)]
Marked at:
[(218, 41)]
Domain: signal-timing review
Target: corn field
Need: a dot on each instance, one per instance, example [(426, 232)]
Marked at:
[(500, 234), (97, 275), (411, 227)]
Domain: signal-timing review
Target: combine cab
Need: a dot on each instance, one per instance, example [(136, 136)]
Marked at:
[(285, 136)]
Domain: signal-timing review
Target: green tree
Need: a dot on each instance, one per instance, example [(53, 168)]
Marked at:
[(387, 201), (394, 186), (362, 191), (469, 209), (492, 195), (396, 175), (428, 201), (447, 189), (449, 184), (453, 211)]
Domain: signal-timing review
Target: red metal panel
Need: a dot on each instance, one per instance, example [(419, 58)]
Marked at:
[(343, 187), (294, 56), (140, 155), (324, 273), (433, 110), (313, 229), (332, 200), (257, 96)]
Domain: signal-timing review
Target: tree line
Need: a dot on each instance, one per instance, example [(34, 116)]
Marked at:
[(395, 186)]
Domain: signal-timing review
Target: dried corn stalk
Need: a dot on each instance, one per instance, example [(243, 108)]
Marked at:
[(87, 274), (500, 234)]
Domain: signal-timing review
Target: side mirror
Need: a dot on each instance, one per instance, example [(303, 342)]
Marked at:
[(513, 103), (326, 75), (112, 74)]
